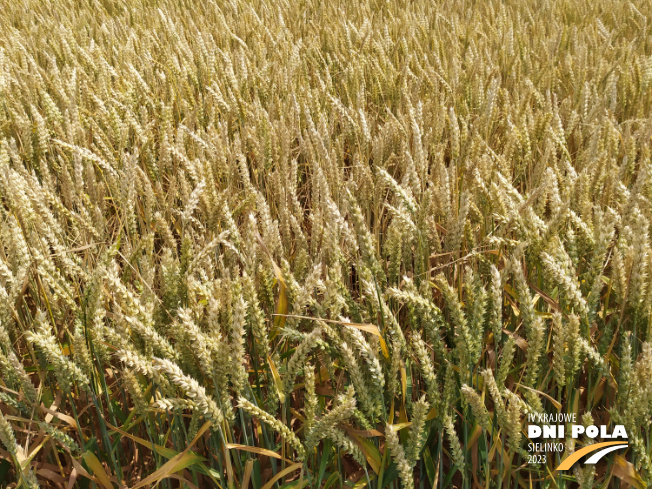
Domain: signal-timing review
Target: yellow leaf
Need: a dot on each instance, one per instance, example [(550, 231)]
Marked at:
[(599, 391), (369, 451), (403, 382), (277, 379), (81, 470), (281, 306), (363, 482), (247, 474), (520, 342), (383, 347), (372, 433), (474, 437), (402, 415), (432, 414), (25, 463), (98, 469), (369, 328), (259, 451), (177, 463), (282, 473), (554, 403), (508, 288), (161, 450), (626, 471), (282, 303)]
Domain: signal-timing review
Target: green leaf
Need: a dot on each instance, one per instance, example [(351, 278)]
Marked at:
[(324, 460), (390, 475)]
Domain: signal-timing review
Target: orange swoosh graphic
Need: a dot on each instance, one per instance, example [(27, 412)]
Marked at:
[(568, 462)]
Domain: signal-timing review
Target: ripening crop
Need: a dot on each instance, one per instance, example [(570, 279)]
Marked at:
[(280, 244)]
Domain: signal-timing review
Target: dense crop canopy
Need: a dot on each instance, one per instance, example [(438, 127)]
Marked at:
[(270, 243)]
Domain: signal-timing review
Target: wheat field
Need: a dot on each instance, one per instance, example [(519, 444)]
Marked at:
[(280, 244)]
